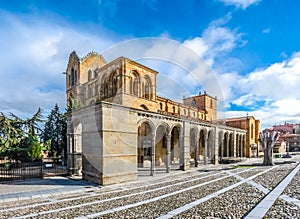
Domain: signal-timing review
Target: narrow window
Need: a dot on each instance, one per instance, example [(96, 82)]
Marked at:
[(160, 106), (72, 77), (96, 73), (89, 75)]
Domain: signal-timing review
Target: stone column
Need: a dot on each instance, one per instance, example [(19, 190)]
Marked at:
[(238, 146), (244, 145), (70, 153), (205, 149), (168, 164), (227, 146), (222, 145), (216, 146), (152, 170), (196, 149), (181, 151), (234, 144)]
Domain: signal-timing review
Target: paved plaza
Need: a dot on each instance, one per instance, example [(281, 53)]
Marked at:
[(244, 190)]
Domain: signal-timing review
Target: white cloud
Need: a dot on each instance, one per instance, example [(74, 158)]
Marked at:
[(216, 40), (278, 81), (33, 61), (272, 92), (267, 30), (198, 45), (36, 54), (240, 3)]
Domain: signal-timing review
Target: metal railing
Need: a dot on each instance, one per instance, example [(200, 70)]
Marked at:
[(11, 171)]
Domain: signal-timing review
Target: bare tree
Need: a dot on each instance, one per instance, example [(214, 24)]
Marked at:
[(267, 140)]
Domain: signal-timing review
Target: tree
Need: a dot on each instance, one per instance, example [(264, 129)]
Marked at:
[(18, 137), (55, 131), (267, 140), (9, 134)]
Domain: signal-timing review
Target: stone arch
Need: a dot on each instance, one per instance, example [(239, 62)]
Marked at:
[(147, 89), (176, 152), (220, 146), (75, 147), (226, 145), (237, 143), (203, 144), (113, 83), (160, 106), (135, 83), (231, 144), (210, 145), (144, 107), (194, 145), (162, 138), (104, 86), (145, 145), (73, 78)]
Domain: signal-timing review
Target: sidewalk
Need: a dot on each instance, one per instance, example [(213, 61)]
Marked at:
[(27, 189), (21, 190)]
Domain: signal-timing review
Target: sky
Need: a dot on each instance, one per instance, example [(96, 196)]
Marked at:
[(245, 52)]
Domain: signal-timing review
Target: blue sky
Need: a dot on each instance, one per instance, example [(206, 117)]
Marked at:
[(252, 47)]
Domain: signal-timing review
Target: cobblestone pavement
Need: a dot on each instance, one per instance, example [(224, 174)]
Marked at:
[(223, 191)]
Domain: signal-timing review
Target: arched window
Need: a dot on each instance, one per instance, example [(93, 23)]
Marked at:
[(72, 78), (75, 77), (148, 88), (89, 75), (144, 107), (252, 131), (114, 85), (131, 86), (160, 106), (184, 112), (113, 82), (96, 73), (173, 109), (135, 85)]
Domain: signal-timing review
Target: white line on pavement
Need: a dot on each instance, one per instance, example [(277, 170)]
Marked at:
[(208, 197), (153, 199), (262, 208)]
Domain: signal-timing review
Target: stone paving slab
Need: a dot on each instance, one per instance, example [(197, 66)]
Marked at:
[(34, 188), (261, 209), (21, 190)]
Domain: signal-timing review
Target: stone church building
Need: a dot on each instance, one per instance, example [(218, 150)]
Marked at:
[(117, 123)]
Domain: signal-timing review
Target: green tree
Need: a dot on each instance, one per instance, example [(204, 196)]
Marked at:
[(18, 137), (34, 151), (55, 131)]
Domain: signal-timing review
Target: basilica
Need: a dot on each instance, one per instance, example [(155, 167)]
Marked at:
[(117, 123)]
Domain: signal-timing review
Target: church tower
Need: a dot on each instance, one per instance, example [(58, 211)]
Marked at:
[(203, 102)]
